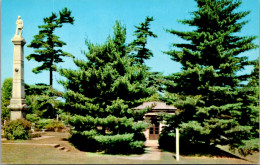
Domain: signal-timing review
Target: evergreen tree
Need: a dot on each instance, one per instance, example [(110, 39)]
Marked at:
[(6, 95), (100, 94), (212, 101), (42, 100), (254, 76), (138, 48), (47, 45), (250, 111), (139, 52)]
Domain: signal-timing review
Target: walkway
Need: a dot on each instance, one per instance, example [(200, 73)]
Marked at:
[(152, 152)]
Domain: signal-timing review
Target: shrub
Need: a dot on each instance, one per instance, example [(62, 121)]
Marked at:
[(17, 129), (35, 135), (49, 124), (139, 136), (167, 141), (115, 143), (54, 125), (249, 147), (65, 118), (137, 147), (42, 123), (32, 118), (84, 140)]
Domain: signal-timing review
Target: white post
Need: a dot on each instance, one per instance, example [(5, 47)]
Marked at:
[(177, 145)]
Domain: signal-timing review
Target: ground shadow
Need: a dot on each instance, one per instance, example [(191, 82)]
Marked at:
[(203, 150), (65, 139)]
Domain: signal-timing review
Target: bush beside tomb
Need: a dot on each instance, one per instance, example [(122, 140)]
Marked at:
[(17, 129)]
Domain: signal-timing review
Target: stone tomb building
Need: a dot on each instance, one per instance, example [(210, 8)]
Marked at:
[(152, 115)]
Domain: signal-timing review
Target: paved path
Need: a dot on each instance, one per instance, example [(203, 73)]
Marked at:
[(152, 151), (42, 137), (35, 144)]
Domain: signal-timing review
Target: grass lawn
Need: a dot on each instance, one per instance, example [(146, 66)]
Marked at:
[(32, 154)]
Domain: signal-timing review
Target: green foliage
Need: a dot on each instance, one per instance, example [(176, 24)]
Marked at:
[(37, 89), (6, 95), (17, 129), (32, 118), (215, 106), (137, 146), (167, 140), (252, 97), (138, 48), (249, 146), (139, 52), (52, 126), (114, 143), (254, 76), (100, 94), (84, 140), (42, 123), (47, 44), (43, 100), (49, 124)]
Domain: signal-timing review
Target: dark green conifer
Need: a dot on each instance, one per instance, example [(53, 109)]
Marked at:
[(42, 100), (213, 103), (100, 94), (139, 52), (47, 45), (138, 48)]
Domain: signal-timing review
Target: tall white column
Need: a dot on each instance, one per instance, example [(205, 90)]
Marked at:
[(18, 103)]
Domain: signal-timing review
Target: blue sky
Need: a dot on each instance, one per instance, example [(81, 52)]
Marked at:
[(94, 20)]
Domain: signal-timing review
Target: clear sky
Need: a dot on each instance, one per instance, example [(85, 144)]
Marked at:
[(94, 20)]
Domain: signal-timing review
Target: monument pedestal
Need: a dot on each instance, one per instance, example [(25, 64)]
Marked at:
[(18, 103), (18, 108), (17, 115)]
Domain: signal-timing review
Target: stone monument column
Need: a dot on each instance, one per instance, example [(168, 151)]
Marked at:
[(18, 103)]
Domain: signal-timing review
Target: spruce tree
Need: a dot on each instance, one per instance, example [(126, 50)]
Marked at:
[(208, 91), (47, 45), (100, 94), (138, 48)]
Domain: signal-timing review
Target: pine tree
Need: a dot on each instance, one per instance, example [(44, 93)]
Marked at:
[(254, 76), (138, 48), (47, 45), (42, 100), (139, 52), (208, 91), (250, 111), (100, 94)]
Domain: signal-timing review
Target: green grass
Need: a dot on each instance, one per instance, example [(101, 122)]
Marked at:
[(16, 154), (30, 154)]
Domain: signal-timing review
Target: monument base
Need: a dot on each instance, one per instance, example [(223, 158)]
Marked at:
[(17, 110), (17, 115)]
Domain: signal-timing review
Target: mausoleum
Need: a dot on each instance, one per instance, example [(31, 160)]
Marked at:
[(156, 107)]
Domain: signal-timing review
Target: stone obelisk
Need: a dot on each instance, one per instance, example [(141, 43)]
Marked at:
[(18, 104)]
